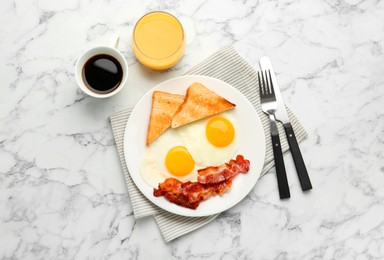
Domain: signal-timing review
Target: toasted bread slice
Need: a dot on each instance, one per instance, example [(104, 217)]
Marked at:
[(164, 106), (200, 102)]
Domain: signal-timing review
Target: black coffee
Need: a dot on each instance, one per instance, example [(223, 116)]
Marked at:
[(102, 73)]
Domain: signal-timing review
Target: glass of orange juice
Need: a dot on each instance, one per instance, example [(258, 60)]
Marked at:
[(158, 40)]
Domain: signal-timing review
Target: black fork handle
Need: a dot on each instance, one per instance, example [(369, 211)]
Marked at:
[(297, 158), (281, 175)]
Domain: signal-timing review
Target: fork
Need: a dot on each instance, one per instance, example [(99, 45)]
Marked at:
[(269, 107)]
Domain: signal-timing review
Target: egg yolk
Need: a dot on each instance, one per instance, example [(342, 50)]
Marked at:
[(179, 161), (220, 131)]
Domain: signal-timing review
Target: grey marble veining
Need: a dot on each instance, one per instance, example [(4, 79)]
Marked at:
[(62, 193)]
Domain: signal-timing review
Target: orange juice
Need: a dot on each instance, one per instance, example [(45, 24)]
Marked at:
[(158, 40)]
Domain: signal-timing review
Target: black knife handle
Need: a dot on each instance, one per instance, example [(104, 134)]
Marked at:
[(297, 158), (282, 181)]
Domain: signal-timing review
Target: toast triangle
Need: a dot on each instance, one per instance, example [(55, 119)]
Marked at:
[(200, 102), (164, 106)]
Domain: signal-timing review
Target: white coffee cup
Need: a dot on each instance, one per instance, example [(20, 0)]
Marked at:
[(111, 50)]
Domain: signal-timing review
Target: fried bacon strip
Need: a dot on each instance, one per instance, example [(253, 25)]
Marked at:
[(213, 181), (216, 174), (189, 194)]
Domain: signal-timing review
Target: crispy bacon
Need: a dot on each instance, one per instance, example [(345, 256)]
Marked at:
[(216, 180), (217, 174), (189, 194)]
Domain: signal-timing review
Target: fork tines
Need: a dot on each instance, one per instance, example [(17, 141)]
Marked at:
[(266, 88)]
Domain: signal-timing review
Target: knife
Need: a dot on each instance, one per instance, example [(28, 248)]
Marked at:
[(282, 116)]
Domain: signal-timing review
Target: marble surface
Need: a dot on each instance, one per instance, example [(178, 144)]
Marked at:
[(62, 192)]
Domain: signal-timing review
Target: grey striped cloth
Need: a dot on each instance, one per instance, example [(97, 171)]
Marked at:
[(226, 65)]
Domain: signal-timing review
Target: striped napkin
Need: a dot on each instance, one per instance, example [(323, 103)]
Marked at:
[(226, 65)]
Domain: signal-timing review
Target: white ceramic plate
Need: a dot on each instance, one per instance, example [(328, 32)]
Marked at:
[(251, 145)]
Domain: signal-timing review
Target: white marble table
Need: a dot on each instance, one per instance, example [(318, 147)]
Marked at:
[(62, 192)]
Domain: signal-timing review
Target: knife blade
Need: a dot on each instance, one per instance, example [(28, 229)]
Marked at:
[(282, 116)]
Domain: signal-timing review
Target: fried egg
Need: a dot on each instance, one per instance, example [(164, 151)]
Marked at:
[(180, 152), (167, 157), (211, 141)]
